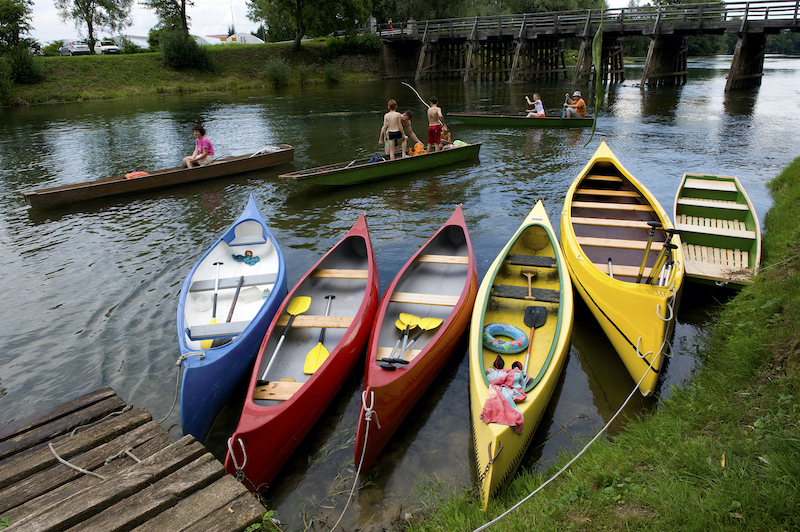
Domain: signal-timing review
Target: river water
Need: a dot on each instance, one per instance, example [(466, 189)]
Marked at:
[(91, 290)]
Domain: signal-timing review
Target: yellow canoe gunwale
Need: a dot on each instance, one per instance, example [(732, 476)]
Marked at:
[(556, 334)]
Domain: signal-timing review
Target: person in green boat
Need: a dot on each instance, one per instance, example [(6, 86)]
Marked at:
[(538, 106), (407, 115), (576, 108), (392, 131)]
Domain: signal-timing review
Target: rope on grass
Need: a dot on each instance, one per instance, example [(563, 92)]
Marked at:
[(585, 448)]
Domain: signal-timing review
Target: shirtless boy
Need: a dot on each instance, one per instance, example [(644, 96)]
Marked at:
[(392, 130), (435, 121)]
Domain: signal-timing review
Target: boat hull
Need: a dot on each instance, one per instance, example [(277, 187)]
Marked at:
[(212, 372), (361, 170), (490, 120), (440, 281), (277, 416), (116, 186), (720, 232), (498, 449), (605, 219)]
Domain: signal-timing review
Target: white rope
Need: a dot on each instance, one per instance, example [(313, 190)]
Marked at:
[(125, 409), (368, 414), (73, 466), (233, 455), (175, 400), (585, 448), (122, 453)]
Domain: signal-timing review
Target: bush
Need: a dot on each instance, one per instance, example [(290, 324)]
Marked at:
[(278, 71), (5, 81), (182, 51), (52, 48), (331, 74), (364, 44), (127, 46), (23, 66), (304, 73)]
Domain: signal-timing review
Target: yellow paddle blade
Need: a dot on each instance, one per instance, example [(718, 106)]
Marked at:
[(298, 305), (315, 358), (409, 319), (400, 325), (206, 344), (429, 323)]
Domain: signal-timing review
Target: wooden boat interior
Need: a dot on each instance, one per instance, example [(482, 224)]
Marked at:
[(429, 288), (344, 274), (610, 218)]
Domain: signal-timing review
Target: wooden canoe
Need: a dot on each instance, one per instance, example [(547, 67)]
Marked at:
[(720, 232), (362, 170), (212, 369), (278, 414), (604, 234), (502, 298), (490, 120), (438, 284), (169, 177)]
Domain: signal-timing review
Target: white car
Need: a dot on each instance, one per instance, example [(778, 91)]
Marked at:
[(105, 47), (74, 48)]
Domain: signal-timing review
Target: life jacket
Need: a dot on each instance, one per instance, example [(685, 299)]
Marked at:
[(418, 149)]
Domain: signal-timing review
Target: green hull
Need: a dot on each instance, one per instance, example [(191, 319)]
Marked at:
[(520, 121), (361, 170), (720, 232)]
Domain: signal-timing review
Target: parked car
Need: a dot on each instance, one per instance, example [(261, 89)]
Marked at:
[(105, 47), (74, 48)]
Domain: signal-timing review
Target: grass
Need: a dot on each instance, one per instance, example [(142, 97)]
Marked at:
[(236, 67), (721, 453)]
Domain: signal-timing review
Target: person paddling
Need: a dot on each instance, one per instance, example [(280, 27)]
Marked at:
[(576, 108)]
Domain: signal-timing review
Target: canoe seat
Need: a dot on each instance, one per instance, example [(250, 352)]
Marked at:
[(731, 258), (604, 178), (384, 352), (531, 260), (618, 243), (247, 241), (340, 274), (248, 233), (444, 259), (621, 270), (424, 299), (718, 204), (216, 330), (710, 184), (521, 292), (321, 322), (233, 282), (714, 226), (277, 391), (608, 192), (612, 206), (610, 222)]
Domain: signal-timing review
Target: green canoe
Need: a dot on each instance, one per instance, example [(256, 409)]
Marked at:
[(362, 170), (720, 233), (479, 119)]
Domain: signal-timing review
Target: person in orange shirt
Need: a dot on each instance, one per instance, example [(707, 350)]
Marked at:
[(576, 108)]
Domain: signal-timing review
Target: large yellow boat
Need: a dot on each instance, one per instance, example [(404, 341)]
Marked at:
[(527, 289), (626, 262)]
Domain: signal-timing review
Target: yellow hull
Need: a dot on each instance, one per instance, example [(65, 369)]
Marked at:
[(604, 234), (498, 449)]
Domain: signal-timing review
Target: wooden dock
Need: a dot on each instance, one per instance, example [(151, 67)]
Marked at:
[(126, 473)]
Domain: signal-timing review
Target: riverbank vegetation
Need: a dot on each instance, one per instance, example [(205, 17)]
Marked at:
[(720, 453)]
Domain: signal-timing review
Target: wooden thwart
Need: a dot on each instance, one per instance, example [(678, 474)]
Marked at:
[(520, 292), (718, 204), (611, 206), (608, 192), (340, 274), (714, 226), (536, 261), (710, 184), (424, 299), (277, 391), (233, 282), (444, 259), (617, 243), (620, 270), (610, 222), (322, 322)]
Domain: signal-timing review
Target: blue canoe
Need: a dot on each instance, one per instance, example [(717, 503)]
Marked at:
[(216, 352)]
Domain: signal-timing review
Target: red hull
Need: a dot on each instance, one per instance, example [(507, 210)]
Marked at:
[(397, 391), (269, 431)]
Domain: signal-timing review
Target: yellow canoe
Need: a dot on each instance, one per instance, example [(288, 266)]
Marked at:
[(606, 229), (503, 299)]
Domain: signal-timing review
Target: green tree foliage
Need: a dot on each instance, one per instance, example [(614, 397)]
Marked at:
[(306, 17), (170, 13), (15, 21), (786, 42), (96, 15), (180, 50)]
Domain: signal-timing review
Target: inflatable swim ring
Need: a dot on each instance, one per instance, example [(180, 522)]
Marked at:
[(518, 343)]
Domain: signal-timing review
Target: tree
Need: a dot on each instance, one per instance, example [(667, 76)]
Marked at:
[(171, 13), (96, 15), (15, 21), (314, 18)]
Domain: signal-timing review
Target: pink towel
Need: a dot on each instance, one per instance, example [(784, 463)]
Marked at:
[(507, 387)]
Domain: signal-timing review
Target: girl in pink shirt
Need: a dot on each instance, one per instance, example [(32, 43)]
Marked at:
[(203, 150)]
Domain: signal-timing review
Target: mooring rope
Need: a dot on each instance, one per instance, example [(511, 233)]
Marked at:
[(582, 451), (369, 412), (125, 409), (73, 466), (202, 355)]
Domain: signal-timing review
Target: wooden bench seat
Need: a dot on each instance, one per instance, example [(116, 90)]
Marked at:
[(731, 258), (424, 299), (277, 390), (714, 226), (612, 206), (384, 352), (217, 330), (610, 222), (710, 184), (608, 192), (716, 204), (521, 292), (589, 241), (322, 322), (444, 259), (233, 282), (340, 274), (531, 260), (603, 178), (622, 270)]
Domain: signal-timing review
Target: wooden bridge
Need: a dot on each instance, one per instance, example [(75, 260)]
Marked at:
[(530, 47)]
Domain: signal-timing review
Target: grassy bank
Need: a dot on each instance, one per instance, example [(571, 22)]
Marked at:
[(721, 453), (235, 67)]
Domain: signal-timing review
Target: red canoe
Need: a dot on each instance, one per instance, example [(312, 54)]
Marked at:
[(289, 389), (438, 286)]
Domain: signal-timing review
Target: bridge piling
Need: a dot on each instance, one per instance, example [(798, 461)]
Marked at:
[(666, 61), (747, 66)]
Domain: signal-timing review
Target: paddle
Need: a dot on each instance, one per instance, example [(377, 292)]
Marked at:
[(411, 321), (662, 255), (222, 341), (531, 274), (405, 323), (564, 110), (318, 354), (426, 324), (654, 224), (206, 344), (534, 318), (296, 306), (400, 325), (610, 270)]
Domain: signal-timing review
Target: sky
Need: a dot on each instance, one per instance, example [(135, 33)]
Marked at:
[(208, 17)]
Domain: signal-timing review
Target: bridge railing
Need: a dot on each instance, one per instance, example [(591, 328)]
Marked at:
[(785, 11)]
